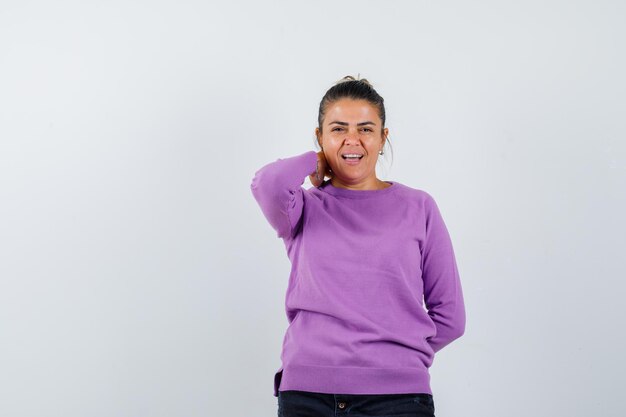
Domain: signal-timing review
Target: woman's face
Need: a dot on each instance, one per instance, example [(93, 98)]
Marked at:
[(352, 127)]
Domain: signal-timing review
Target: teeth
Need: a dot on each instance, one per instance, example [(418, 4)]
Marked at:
[(352, 155)]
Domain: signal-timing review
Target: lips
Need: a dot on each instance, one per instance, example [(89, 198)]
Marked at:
[(352, 161)]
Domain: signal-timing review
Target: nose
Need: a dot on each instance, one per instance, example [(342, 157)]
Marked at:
[(352, 137)]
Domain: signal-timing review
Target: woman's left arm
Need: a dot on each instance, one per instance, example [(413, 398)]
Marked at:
[(443, 294)]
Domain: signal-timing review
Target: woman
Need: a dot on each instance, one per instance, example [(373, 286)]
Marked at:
[(366, 256)]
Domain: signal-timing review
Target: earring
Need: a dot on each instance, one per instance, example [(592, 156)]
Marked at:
[(380, 152)]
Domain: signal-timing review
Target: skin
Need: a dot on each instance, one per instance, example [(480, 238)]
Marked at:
[(335, 139)]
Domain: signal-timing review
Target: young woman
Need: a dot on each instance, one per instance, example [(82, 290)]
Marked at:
[(374, 291)]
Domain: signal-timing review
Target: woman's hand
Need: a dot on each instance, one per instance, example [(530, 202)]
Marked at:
[(323, 170)]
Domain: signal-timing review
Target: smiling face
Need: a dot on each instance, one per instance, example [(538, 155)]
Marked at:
[(352, 127)]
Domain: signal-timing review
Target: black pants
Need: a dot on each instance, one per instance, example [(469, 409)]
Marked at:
[(293, 403)]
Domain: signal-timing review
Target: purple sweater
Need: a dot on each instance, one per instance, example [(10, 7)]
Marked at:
[(374, 289)]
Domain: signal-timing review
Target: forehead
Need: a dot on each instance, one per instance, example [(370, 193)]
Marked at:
[(347, 110)]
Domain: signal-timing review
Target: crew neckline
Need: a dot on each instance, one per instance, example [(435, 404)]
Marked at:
[(329, 188)]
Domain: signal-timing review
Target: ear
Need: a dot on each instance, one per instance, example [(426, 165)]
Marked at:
[(319, 136), (385, 134)]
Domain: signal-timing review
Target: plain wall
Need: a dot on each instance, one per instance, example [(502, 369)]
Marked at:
[(138, 276)]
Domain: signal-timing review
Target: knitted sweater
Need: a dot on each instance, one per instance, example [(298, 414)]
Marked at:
[(374, 291)]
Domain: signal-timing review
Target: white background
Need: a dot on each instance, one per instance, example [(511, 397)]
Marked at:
[(138, 277)]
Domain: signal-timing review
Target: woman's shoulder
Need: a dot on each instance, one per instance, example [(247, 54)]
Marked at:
[(413, 192)]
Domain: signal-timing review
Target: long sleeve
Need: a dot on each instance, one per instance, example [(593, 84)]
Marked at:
[(277, 187), (443, 294)]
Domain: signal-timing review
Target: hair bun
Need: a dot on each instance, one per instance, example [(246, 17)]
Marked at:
[(351, 78)]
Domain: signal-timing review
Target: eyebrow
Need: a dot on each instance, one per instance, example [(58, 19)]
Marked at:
[(346, 124)]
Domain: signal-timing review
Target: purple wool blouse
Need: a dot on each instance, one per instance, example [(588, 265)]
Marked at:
[(374, 290)]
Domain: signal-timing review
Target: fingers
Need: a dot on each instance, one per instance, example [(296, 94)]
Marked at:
[(322, 171)]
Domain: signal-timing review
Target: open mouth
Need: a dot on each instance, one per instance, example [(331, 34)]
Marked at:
[(352, 157)]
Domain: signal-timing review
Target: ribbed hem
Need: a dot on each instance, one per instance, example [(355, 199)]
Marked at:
[(352, 380)]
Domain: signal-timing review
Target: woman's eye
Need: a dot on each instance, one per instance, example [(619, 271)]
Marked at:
[(340, 128)]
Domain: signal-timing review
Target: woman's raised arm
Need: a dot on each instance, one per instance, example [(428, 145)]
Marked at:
[(277, 187)]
